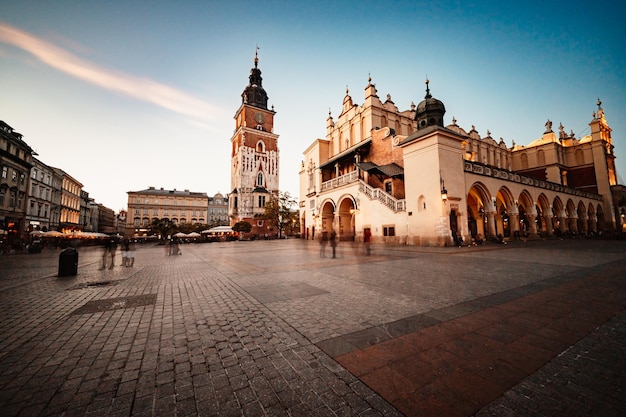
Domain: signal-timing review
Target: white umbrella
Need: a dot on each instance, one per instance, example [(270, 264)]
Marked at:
[(180, 234), (35, 232), (193, 234), (52, 233)]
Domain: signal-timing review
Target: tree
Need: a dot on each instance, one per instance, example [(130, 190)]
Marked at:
[(244, 227), (163, 227), (279, 211)]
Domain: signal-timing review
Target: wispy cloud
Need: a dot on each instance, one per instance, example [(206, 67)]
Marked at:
[(140, 88)]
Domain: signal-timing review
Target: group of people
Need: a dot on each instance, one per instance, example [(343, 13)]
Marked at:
[(172, 247), (127, 250), (332, 239)]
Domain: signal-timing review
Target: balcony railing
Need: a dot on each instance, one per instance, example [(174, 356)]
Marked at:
[(380, 195), (489, 171), (371, 192), (350, 177)]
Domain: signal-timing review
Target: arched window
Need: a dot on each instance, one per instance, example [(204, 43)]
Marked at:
[(541, 158), (421, 203), (259, 179), (524, 161), (260, 146), (580, 157)]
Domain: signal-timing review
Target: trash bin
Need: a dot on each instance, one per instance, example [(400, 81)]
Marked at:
[(68, 262)]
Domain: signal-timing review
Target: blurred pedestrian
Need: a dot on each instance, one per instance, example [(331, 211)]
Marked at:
[(110, 247), (323, 242), (333, 242), (367, 240), (124, 251), (130, 255)]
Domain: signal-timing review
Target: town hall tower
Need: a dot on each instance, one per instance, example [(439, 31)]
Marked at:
[(254, 156)]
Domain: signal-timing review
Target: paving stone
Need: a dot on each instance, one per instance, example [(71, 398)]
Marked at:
[(215, 333)]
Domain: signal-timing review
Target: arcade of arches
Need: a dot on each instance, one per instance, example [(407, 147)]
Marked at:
[(492, 213), (501, 213)]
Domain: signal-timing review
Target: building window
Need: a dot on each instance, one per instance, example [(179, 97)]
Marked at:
[(260, 146), (389, 231), (259, 179), (388, 187), (261, 201)]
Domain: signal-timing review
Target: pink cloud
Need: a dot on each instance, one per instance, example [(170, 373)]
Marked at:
[(140, 88)]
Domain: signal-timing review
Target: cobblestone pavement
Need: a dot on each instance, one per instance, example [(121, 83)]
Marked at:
[(273, 328)]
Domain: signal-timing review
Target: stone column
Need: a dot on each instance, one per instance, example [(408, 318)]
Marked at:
[(491, 223), (548, 220), (594, 223), (573, 224), (514, 223), (532, 226), (563, 226)]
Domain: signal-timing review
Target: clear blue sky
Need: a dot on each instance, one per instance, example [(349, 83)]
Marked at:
[(125, 95)]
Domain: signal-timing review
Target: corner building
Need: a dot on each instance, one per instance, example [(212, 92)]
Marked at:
[(254, 157), (409, 179)]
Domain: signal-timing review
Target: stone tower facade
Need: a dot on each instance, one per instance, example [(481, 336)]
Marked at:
[(254, 156)]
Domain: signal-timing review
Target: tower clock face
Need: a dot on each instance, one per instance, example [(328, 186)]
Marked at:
[(259, 117)]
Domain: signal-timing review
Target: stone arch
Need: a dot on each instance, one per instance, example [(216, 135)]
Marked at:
[(601, 219), (559, 223), (504, 210), (570, 212), (327, 214), (527, 213), (478, 206), (592, 225), (346, 217), (581, 222), (544, 215)]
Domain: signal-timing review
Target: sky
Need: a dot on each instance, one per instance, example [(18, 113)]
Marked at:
[(127, 95)]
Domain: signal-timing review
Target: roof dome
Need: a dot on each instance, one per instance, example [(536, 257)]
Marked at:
[(254, 94), (430, 111)]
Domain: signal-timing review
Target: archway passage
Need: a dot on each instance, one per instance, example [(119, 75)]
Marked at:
[(477, 211), (346, 220), (328, 216)]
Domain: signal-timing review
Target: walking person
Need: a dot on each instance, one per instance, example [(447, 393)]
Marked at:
[(333, 242), (367, 240), (110, 247), (323, 242), (124, 251), (130, 254)]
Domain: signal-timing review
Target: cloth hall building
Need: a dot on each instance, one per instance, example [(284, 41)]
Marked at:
[(406, 178)]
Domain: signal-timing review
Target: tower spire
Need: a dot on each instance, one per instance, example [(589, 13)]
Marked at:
[(256, 56)]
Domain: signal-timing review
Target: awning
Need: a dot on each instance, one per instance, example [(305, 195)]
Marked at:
[(361, 148), (392, 170)]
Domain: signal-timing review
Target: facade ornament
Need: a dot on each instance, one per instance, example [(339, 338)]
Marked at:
[(548, 126)]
